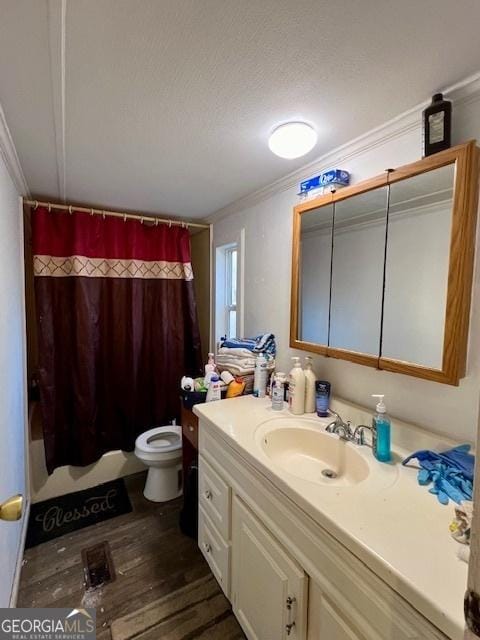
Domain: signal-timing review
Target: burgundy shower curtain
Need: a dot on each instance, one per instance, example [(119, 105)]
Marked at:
[(117, 326)]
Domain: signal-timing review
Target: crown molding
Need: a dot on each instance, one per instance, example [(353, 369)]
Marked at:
[(10, 157), (57, 10), (464, 92)]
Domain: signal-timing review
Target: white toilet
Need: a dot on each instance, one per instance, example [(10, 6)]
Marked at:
[(161, 450)]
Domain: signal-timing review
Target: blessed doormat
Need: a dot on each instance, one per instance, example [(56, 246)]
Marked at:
[(58, 516)]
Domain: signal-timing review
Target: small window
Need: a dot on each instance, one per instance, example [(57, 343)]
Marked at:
[(231, 257), (228, 295)]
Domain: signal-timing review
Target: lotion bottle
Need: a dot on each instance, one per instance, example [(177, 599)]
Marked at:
[(310, 380), (381, 430), (214, 391), (210, 369), (296, 388)]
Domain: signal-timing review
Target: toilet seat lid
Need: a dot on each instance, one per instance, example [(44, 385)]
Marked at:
[(160, 439)]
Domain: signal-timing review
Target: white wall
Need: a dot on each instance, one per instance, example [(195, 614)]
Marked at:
[(268, 244), (12, 374)]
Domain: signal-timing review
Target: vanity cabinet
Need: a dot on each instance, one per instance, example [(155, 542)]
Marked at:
[(278, 567), (269, 588)]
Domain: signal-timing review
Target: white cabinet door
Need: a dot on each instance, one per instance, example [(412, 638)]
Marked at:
[(269, 589), (326, 622)]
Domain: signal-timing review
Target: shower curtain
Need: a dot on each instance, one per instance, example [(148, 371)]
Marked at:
[(117, 327)]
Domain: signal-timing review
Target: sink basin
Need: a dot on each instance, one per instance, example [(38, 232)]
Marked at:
[(310, 454)]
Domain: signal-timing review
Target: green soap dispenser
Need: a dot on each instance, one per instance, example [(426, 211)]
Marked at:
[(381, 429)]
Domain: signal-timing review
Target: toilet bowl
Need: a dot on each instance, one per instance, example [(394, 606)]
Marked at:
[(160, 449)]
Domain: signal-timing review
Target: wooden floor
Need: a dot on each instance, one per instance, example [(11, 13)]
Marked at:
[(152, 558)]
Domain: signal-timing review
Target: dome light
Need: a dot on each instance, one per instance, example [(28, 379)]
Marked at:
[(292, 140)]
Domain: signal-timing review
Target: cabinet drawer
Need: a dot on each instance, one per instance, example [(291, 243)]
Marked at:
[(190, 427), (214, 495), (215, 550)]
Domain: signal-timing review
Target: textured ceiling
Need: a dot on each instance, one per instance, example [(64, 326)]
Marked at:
[(166, 105)]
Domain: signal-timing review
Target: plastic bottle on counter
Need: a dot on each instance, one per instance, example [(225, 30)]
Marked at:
[(277, 394), (296, 388), (310, 380), (381, 429), (210, 369), (214, 391), (260, 376)]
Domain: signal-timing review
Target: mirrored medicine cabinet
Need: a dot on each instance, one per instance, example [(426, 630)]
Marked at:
[(382, 270)]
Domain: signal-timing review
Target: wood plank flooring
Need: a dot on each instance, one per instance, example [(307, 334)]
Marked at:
[(152, 559)]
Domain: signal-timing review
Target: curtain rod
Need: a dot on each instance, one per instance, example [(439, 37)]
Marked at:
[(115, 214)]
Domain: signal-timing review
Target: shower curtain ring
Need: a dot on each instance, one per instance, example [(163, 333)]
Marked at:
[(156, 222), (91, 212), (103, 215), (141, 220), (169, 224), (70, 210), (124, 217), (49, 207), (36, 205)]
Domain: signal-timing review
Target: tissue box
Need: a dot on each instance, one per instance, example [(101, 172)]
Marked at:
[(335, 177), (324, 182), (311, 183)]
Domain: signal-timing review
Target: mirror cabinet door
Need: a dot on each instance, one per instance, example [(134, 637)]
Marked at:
[(358, 271), (416, 276), (314, 274)]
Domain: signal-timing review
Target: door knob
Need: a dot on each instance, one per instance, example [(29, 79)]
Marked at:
[(12, 508)]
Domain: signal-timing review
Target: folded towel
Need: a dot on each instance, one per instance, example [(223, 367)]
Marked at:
[(235, 370), (237, 352), (264, 343), (239, 362), (449, 472)]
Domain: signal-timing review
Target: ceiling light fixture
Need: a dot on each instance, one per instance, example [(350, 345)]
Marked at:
[(292, 140)]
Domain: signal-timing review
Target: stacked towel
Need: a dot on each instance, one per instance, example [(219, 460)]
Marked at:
[(264, 343), (239, 361), (449, 472)]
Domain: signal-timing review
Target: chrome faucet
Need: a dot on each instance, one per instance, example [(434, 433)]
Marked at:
[(345, 432), (338, 426)]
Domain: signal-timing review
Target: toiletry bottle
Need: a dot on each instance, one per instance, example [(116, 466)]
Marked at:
[(210, 368), (322, 397), (260, 376), (437, 125), (381, 430), (296, 388), (277, 395), (214, 390), (309, 386)]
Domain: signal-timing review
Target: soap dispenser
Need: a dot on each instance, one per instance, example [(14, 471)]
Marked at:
[(381, 431)]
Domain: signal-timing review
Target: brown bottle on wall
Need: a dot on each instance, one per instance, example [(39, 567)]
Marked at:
[(437, 125)]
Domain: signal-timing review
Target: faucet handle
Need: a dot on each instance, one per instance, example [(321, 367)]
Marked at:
[(359, 434)]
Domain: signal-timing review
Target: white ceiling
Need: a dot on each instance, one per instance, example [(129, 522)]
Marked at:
[(166, 105)]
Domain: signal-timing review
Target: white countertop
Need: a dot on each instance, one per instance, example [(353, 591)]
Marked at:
[(388, 521)]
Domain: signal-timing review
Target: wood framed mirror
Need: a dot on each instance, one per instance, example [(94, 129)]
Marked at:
[(382, 270)]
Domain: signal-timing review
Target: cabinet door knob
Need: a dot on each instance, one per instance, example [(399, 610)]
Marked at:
[(208, 494), (207, 547), (190, 428)]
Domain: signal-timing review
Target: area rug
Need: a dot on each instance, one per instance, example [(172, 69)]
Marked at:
[(199, 610), (58, 516)]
